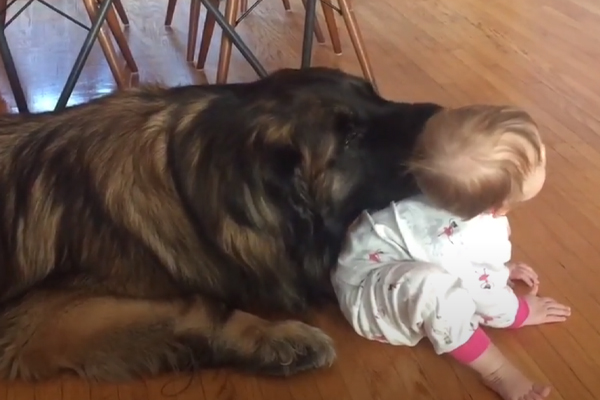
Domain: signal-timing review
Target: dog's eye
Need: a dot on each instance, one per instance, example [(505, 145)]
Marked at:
[(353, 135)]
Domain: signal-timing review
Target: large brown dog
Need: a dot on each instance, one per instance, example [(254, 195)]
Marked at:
[(137, 231)]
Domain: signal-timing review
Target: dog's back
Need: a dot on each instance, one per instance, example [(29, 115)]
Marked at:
[(77, 184)]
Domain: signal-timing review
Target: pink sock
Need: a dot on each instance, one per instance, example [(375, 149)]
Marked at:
[(522, 314), (473, 348)]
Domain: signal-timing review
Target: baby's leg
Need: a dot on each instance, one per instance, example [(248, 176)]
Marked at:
[(450, 323), (399, 300), (502, 376)]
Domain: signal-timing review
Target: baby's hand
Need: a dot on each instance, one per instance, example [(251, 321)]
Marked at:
[(522, 272), (544, 310)]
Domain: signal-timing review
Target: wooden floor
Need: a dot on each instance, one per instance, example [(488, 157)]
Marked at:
[(539, 54)]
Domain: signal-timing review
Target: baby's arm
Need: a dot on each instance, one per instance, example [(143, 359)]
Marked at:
[(495, 302), (499, 307), (480, 259)]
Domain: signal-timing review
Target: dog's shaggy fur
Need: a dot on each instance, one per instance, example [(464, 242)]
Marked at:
[(138, 231)]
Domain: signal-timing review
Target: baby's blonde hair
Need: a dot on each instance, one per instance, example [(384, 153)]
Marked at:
[(474, 159)]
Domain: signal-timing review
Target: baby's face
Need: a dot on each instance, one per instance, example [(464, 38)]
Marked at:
[(532, 185)]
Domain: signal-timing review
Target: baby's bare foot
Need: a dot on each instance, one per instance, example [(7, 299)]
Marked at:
[(511, 384)]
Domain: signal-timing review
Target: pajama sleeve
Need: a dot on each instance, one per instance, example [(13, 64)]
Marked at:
[(480, 259), (495, 302)]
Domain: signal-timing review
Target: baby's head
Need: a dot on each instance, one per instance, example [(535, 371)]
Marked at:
[(477, 159)]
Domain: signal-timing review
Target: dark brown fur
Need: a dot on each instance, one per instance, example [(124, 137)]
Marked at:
[(138, 230)]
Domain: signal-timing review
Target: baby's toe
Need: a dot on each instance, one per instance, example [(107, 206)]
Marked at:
[(540, 391)]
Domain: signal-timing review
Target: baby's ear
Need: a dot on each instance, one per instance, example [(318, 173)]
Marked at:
[(500, 211)]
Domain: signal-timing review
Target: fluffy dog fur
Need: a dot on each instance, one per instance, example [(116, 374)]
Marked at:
[(139, 230)]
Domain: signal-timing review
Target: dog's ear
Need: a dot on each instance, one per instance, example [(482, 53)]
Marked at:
[(270, 190), (279, 164), (283, 181), (288, 191)]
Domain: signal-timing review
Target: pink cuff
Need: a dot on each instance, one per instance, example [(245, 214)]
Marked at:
[(522, 314), (473, 348)]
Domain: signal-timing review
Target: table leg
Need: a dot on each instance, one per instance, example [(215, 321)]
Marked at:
[(309, 27), (235, 38), (11, 73), (83, 55)]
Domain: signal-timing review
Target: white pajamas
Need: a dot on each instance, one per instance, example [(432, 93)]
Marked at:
[(412, 271)]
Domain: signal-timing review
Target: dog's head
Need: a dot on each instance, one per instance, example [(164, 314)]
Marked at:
[(305, 147), (329, 136)]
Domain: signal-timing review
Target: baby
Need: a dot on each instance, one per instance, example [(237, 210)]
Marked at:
[(438, 265)]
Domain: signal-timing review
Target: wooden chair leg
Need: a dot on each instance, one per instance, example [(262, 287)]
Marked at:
[(334, 33), (193, 29), (357, 40), (106, 44), (231, 10), (121, 11), (3, 5), (170, 11), (318, 31), (115, 28), (207, 34), (286, 5)]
